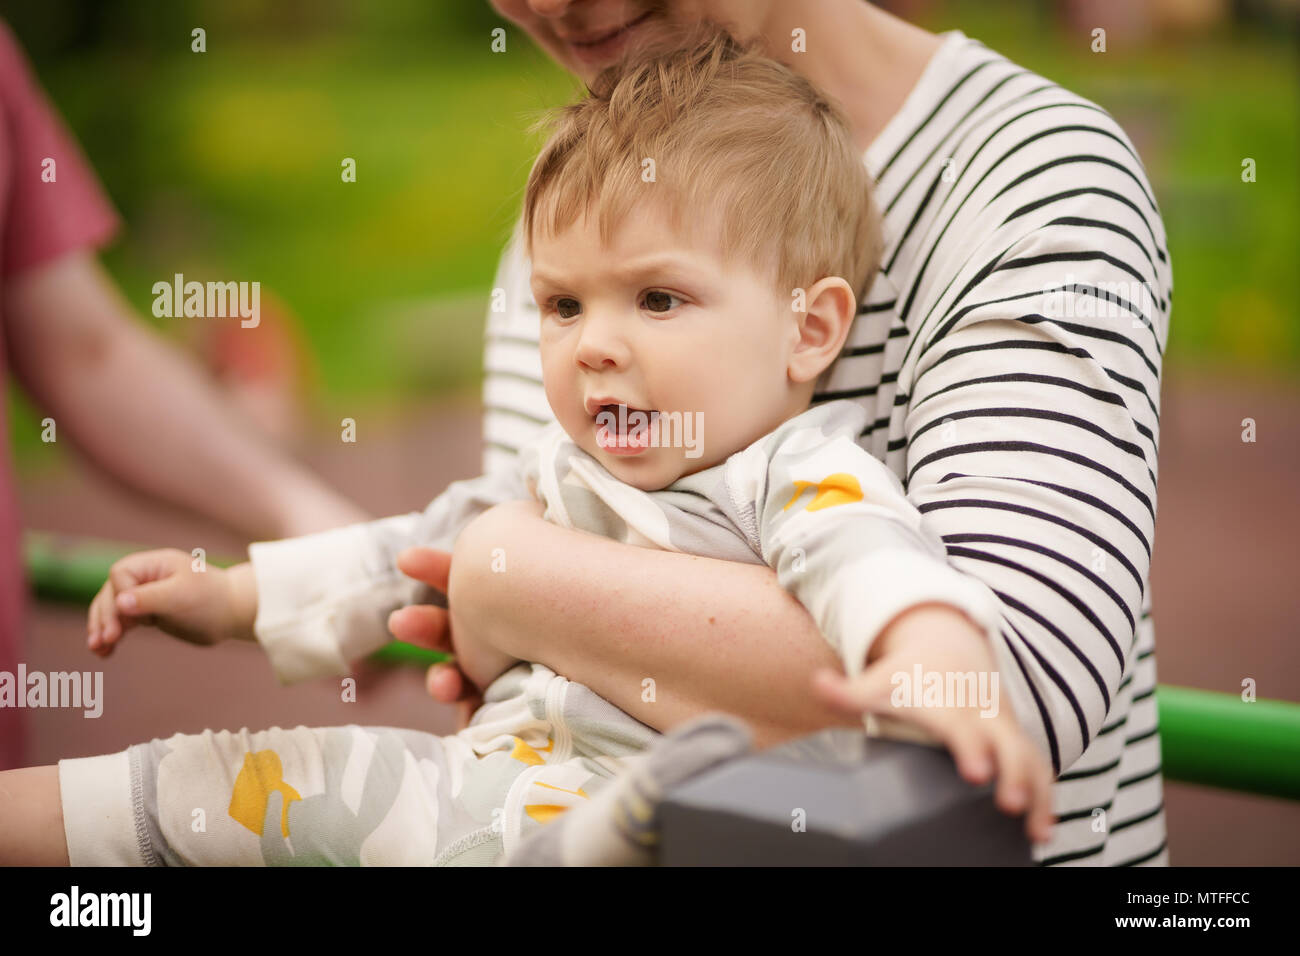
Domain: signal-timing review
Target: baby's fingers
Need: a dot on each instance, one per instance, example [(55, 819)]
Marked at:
[(866, 693), (1013, 784), (982, 747), (1024, 782), (149, 603), (103, 626), (970, 749)]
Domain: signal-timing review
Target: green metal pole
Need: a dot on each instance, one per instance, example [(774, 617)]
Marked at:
[(1223, 741), (399, 653), (69, 570)]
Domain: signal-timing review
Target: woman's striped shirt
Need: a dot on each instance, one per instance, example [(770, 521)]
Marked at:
[(1009, 356)]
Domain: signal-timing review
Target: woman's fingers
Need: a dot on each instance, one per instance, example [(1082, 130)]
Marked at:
[(429, 565), (422, 624), (445, 683)]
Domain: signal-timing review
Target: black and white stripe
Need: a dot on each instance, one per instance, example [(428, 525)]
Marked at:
[(1026, 434)]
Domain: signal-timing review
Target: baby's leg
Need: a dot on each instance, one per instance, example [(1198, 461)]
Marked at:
[(31, 818), (306, 796), (343, 795)]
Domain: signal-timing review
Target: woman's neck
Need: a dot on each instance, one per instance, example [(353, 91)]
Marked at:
[(867, 60)]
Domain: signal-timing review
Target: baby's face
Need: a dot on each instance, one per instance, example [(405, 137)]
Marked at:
[(694, 345)]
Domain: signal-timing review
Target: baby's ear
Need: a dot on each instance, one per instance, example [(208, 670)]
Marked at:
[(824, 314)]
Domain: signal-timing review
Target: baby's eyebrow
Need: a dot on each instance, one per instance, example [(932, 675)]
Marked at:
[(654, 267), (545, 280)]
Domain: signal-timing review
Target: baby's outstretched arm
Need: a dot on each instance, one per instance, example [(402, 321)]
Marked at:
[(324, 596), (166, 589)]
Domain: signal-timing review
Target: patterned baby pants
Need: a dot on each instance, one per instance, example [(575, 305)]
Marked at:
[(368, 796)]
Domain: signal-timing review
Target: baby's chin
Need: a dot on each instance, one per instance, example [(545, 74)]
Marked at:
[(651, 470)]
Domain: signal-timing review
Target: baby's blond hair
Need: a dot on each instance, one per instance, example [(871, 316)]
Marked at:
[(728, 129)]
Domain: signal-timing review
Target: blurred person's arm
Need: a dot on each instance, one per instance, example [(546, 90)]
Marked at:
[(144, 412), (137, 407)]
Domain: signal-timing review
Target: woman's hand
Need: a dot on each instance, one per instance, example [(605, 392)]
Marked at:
[(983, 735), (429, 626), (462, 629)]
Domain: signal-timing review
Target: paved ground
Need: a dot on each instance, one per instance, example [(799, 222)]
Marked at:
[(1224, 587)]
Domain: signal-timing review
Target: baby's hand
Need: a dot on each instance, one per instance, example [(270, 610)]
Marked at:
[(941, 640), (161, 588)]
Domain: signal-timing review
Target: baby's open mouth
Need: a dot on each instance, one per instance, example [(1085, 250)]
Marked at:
[(623, 428)]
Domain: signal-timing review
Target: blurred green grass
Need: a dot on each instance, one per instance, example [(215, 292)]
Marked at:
[(226, 165), (229, 166), (241, 177)]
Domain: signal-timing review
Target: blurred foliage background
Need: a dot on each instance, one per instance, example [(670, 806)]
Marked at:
[(226, 164)]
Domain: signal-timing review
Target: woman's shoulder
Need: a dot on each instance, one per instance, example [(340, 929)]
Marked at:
[(977, 107), (985, 148)]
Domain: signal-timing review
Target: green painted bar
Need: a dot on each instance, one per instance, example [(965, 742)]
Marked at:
[(69, 570), (1221, 740), (1206, 737), (399, 653)]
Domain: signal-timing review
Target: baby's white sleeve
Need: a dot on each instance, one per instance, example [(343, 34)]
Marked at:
[(323, 599), (836, 525)]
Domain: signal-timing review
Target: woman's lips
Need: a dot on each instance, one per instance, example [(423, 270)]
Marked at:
[(606, 49)]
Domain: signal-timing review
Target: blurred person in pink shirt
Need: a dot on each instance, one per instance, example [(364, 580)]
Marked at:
[(137, 408)]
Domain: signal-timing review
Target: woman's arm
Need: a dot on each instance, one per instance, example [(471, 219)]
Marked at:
[(709, 634)]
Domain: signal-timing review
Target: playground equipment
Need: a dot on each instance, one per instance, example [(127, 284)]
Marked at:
[(837, 798)]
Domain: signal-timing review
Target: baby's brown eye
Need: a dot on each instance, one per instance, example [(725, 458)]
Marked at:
[(567, 308), (659, 301)]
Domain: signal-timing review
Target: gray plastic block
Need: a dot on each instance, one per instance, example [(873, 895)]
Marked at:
[(864, 802)]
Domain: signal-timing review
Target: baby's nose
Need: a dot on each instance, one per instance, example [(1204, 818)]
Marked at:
[(602, 344)]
